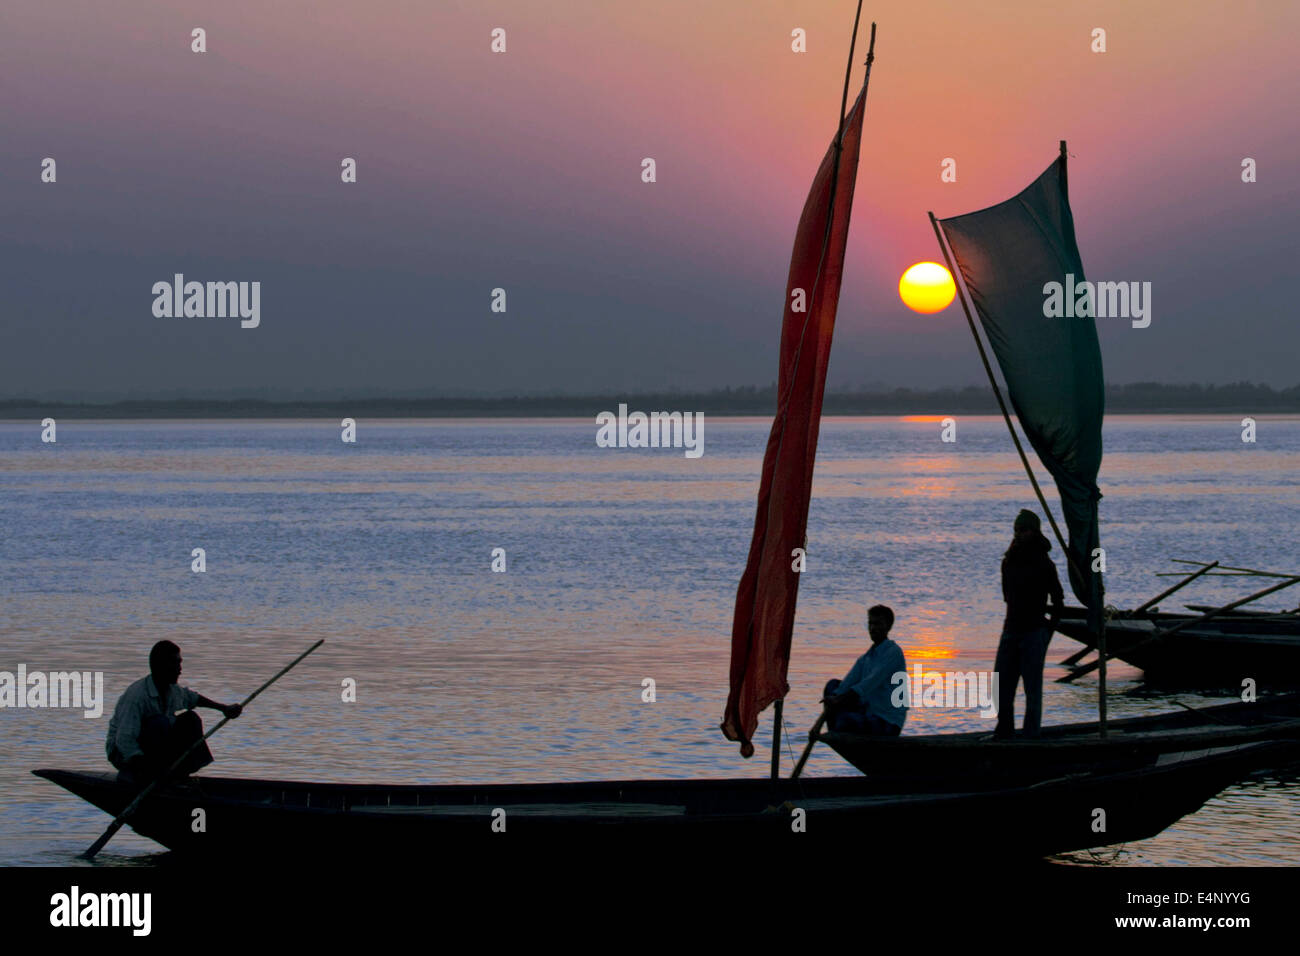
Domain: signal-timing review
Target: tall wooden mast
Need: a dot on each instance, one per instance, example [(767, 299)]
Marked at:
[(778, 709)]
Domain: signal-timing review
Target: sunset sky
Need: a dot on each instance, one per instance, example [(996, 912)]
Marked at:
[(522, 170)]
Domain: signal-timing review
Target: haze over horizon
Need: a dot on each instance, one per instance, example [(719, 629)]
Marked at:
[(522, 171), (164, 397)]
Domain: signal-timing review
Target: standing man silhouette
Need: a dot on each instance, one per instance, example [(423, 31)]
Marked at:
[(1029, 579)]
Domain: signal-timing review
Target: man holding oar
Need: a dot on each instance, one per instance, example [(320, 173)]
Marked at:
[(180, 758), (146, 735)]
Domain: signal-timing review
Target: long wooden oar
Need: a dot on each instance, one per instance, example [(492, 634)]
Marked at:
[(812, 739), (131, 807)]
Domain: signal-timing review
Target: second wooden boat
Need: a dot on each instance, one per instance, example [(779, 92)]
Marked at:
[(1220, 653), (1130, 744)]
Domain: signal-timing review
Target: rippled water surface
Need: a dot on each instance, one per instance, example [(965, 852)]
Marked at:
[(622, 565)]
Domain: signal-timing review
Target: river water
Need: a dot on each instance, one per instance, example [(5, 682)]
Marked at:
[(621, 564)]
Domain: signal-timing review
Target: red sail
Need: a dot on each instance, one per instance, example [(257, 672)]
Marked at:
[(765, 600)]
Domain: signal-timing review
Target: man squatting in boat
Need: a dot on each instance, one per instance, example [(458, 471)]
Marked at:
[(863, 703), (1028, 579), (146, 734)]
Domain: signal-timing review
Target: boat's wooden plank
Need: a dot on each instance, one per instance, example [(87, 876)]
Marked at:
[(1178, 756), (528, 810), (1263, 725), (868, 800)]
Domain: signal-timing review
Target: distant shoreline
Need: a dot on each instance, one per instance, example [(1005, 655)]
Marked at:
[(1141, 398)]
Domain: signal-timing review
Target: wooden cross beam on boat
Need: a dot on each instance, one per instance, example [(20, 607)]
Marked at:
[(1124, 651)]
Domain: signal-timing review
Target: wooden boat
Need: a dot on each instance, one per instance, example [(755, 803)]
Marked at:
[(1212, 647), (1130, 744), (276, 820), (1241, 622), (1217, 653)]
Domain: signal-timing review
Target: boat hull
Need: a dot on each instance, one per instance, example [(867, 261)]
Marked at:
[(1219, 653), (264, 819), (1131, 743)]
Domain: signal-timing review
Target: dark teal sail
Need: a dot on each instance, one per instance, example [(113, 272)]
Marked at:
[(1008, 256)]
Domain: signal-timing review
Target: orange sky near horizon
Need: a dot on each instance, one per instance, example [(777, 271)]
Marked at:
[(526, 164)]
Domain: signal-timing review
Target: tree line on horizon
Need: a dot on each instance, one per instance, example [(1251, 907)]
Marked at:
[(1243, 397)]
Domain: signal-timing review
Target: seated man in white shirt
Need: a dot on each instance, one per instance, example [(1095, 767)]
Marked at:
[(146, 734), (862, 703)]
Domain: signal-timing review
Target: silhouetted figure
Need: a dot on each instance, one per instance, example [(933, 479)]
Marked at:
[(146, 734), (1029, 579), (862, 703)]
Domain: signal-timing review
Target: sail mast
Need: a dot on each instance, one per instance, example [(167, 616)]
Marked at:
[(779, 708), (766, 596), (963, 293), (1095, 611)]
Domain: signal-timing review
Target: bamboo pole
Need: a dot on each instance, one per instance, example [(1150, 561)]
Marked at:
[(1161, 635), (844, 97), (1224, 574), (777, 713), (1181, 584), (1076, 657), (812, 739), (1095, 588), (830, 223), (1249, 572), (1286, 615)]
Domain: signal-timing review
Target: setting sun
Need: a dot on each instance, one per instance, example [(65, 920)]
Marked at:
[(927, 287)]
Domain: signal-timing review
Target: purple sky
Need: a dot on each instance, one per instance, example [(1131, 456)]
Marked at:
[(522, 170)]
